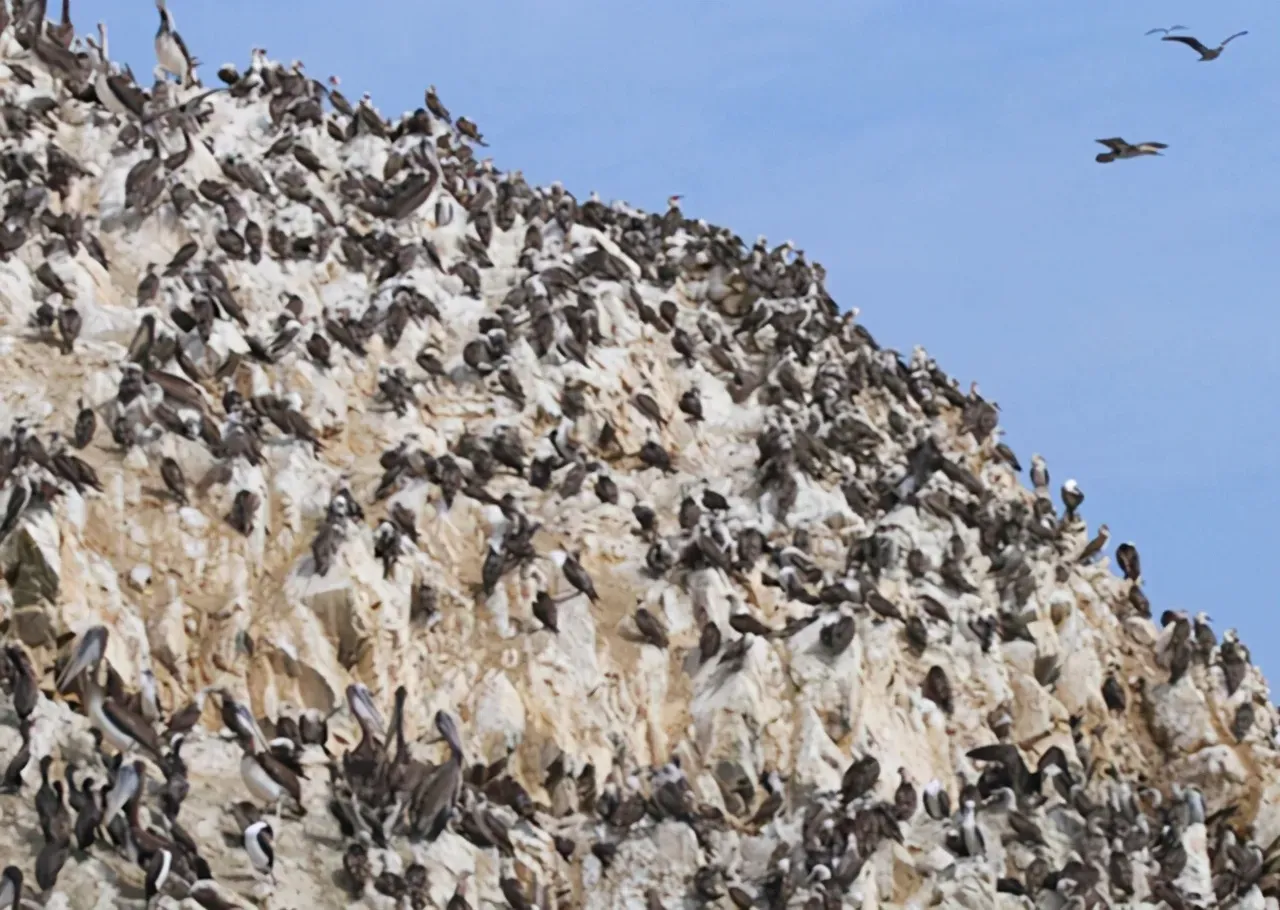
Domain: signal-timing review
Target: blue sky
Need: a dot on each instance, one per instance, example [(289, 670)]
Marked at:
[(937, 157)]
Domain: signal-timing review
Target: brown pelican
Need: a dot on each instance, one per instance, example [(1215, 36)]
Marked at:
[(65, 31), (436, 796), (1206, 53), (122, 728), (171, 50), (117, 92), (1121, 149)]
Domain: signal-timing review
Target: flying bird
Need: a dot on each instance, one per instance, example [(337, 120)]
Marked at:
[(1206, 53), (1121, 149), (1166, 31)]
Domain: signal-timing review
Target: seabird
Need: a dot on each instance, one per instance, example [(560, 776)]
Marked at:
[(267, 777), (435, 798), (1121, 149), (259, 844), (171, 471), (118, 93), (171, 50), (1072, 497), (651, 628), (120, 727), (158, 868), (1206, 53), (1165, 31), (1094, 547), (575, 574), (11, 888), (1127, 557), (970, 834)]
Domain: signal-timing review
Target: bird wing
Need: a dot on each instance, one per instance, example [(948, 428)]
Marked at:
[(1227, 41), (1005, 753), (1153, 145), (129, 94), (1155, 30), (1116, 144), (1190, 42)]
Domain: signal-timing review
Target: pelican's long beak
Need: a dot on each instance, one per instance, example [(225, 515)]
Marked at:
[(449, 730), (88, 653), (248, 725), (361, 703)]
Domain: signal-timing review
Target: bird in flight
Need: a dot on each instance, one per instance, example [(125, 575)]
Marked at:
[(1121, 149), (1206, 53), (1166, 31)]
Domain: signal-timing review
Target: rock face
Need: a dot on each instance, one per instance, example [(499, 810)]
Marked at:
[(700, 572)]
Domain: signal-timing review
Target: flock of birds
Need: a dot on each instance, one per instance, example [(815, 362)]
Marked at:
[(1074, 832), (1117, 147)]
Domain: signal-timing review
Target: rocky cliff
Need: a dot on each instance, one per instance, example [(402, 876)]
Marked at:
[(694, 594)]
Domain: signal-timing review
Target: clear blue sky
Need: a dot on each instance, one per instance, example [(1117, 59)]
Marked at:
[(937, 157)]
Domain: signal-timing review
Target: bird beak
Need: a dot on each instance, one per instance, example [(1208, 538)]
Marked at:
[(88, 654)]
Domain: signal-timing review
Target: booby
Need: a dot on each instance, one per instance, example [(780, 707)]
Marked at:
[(158, 868), (1206, 53), (259, 844), (267, 778), (1094, 547), (171, 50), (122, 728), (1072, 497), (1121, 149)]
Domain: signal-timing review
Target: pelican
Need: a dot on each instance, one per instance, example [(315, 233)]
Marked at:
[(117, 93), (120, 727), (435, 798), (1206, 53), (1121, 149)]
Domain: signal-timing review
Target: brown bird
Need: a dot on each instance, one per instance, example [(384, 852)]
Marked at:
[(1121, 149), (1094, 547), (937, 688), (651, 628), (544, 608), (1206, 53), (171, 471), (69, 323), (469, 129), (1127, 557)]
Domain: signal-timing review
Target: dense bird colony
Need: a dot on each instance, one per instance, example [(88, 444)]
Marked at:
[(382, 531)]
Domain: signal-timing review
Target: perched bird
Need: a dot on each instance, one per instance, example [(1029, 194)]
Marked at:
[(1121, 149), (1206, 53), (1127, 557), (259, 844)]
